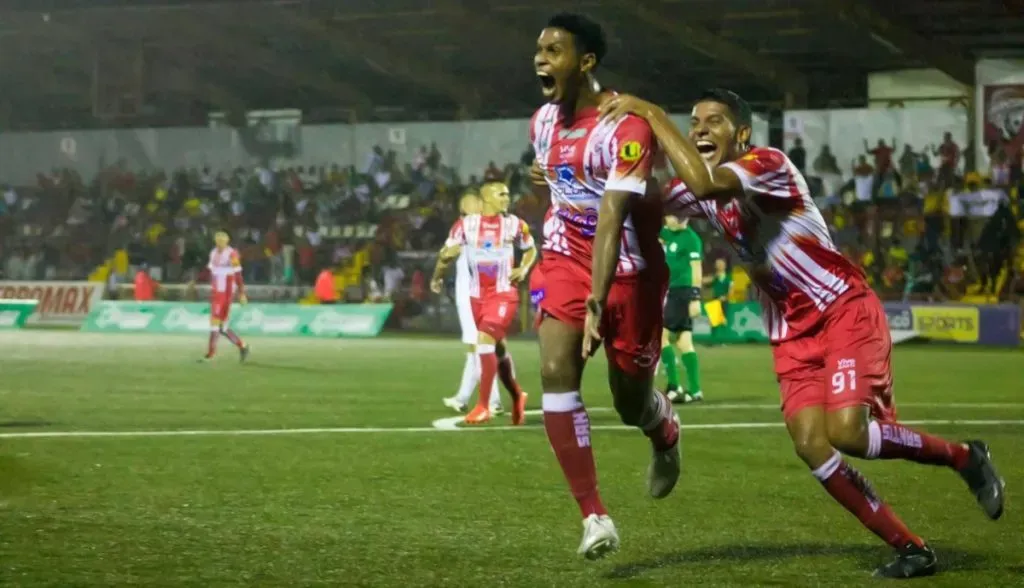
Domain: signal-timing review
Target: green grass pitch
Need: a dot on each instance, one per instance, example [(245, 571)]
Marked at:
[(358, 486)]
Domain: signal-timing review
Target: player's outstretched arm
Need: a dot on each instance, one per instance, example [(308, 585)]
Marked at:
[(706, 183)]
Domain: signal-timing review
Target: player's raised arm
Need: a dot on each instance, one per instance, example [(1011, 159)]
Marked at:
[(448, 253), (693, 158), (629, 168)]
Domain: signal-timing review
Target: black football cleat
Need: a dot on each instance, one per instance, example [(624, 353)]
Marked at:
[(243, 354), (911, 562), (983, 480)]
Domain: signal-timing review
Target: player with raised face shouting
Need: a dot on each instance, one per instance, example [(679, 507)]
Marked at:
[(829, 334), (488, 240), (604, 276)]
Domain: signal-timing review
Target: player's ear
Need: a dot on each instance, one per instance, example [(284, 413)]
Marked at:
[(587, 63), (743, 135)]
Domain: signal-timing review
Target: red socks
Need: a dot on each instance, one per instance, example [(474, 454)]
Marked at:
[(895, 441), (212, 347), (507, 375), (488, 371), (568, 428), (661, 428), (235, 339), (849, 488)]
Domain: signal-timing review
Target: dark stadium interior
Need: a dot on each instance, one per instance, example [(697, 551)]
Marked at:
[(169, 62)]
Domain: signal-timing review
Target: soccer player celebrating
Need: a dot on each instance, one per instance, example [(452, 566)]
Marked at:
[(225, 267), (684, 254), (604, 270), (469, 204), (489, 240), (828, 330)]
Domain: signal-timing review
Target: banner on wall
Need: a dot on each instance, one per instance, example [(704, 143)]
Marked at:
[(997, 325), (60, 303), (289, 320), (1003, 118)]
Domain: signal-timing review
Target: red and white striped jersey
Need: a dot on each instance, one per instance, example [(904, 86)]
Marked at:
[(780, 234), (488, 243), (582, 159), (225, 264)]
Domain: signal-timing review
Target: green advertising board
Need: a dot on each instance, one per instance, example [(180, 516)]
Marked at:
[(289, 320), (744, 325), (14, 313)]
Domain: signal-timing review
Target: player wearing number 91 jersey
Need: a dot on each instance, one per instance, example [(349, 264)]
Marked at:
[(830, 338)]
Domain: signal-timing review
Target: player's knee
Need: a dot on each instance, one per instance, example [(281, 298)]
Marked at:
[(810, 442), (557, 371), (848, 431), (684, 343)]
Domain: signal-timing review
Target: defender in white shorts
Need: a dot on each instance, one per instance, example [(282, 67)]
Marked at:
[(470, 204)]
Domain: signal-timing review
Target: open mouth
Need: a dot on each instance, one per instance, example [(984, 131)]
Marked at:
[(547, 83), (707, 149)]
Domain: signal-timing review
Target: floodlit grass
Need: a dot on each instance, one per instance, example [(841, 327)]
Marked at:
[(424, 507)]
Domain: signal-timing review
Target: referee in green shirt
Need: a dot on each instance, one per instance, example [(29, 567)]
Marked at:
[(684, 254)]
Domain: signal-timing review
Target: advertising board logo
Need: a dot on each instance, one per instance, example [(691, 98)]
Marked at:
[(947, 323)]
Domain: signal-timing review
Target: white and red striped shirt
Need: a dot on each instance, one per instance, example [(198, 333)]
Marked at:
[(583, 159), (780, 234), (488, 243), (225, 270)]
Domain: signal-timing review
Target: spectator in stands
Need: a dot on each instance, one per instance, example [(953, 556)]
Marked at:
[(145, 286), (863, 207), (949, 157), (493, 173), (883, 155), (798, 155), (324, 287), (908, 164), (996, 245), (16, 266), (827, 168)]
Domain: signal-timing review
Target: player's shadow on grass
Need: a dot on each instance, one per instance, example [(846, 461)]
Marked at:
[(280, 367), (869, 557)]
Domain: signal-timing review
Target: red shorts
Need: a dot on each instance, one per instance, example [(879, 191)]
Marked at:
[(844, 362), (631, 325), (220, 306), (494, 314)]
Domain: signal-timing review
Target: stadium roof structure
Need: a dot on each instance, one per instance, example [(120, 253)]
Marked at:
[(165, 61)]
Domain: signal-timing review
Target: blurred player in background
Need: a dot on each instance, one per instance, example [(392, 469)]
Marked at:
[(469, 204), (829, 334), (604, 270), (684, 254), (489, 240), (721, 288), (225, 267)]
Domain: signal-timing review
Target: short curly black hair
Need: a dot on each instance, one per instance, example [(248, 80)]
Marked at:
[(587, 35), (740, 108)]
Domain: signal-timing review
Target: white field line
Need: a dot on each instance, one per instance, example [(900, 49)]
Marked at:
[(446, 425)]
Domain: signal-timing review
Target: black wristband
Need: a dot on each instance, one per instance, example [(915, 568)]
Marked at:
[(694, 293)]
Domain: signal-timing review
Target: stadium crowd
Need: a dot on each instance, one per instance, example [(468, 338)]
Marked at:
[(901, 213)]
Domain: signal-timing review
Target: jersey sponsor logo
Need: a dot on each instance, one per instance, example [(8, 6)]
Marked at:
[(488, 269), (572, 134), (568, 186), (584, 220), (630, 151), (566, 151)]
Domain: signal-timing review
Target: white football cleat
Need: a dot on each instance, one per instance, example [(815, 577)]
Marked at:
[(663, 473), (599, 537), (454, 404)]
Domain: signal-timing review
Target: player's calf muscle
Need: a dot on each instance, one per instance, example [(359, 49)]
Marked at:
[(630, 394)]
